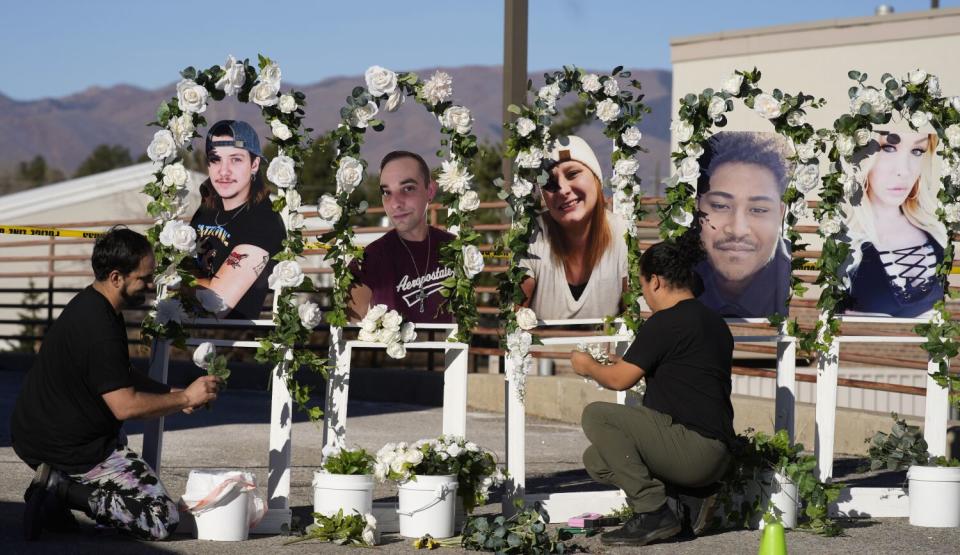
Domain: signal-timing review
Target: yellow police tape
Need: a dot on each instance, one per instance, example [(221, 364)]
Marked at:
[(48, 232)]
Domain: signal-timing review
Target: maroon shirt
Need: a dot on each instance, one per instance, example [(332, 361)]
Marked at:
[(389, 271)]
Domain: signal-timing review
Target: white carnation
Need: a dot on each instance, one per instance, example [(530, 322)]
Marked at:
[(519, 341), (526, 318), (178, 235), (521, 187), (590, 82), (310, 315), (287, 273), (870, 96), (282, 171), (469, 202), (280, 130), (611, 87), (182, 128), (204, 354), (733, 84), (807, 150), (632, 136), (191, 97), (607, 110), (169, 310), (162, 147), (682, 130), (453, 177), (328, 209), (767, 106), (472, 260), (530, 158), (234, 76), (380, 80), (626, 167), (363, 114), (457, 118), (525, 126), (952, 212), (438, 88), (175, 175), (807, 177), (349, 174), (287, 104), (952, 133)]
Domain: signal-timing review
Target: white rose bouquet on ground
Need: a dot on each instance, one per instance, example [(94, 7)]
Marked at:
[(387, 327), (340, 529)]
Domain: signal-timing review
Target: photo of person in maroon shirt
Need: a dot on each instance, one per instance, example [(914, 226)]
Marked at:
[(402, 269)]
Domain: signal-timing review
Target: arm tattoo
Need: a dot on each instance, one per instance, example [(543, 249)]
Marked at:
[(234, 259), (263, 264)]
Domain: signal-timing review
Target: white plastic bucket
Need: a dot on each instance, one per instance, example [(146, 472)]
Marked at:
[(223, 503), (777, 489), (427, 506), (934, 496), (350, 493)]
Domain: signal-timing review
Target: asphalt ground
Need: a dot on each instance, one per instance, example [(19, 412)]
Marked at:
[(235, 433)]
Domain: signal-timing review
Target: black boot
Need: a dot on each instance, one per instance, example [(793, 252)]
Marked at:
[(644, 528), (42, 486), (697, 507)]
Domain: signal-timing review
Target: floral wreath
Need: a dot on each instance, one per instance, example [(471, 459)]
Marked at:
[(697, 117), (918, 100), (528, 141), (389, 89), (175, 241)]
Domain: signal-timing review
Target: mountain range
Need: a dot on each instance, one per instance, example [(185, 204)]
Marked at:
[(65, 130)]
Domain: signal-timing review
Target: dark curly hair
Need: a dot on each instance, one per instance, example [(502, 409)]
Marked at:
[(674, 261), (766, 150)]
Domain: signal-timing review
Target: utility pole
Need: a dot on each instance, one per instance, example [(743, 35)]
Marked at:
[(514, 64)]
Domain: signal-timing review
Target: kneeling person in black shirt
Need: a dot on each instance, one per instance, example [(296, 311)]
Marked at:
[(679, 438)]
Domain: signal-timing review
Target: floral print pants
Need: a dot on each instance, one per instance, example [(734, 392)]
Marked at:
[(128, 495)]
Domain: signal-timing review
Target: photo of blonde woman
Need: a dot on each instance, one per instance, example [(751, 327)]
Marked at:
[(896, 238)]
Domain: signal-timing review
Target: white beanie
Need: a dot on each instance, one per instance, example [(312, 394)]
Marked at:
[(574, 148)]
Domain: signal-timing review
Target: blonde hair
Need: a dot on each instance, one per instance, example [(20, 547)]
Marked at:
[(921, 210), (598, 236)]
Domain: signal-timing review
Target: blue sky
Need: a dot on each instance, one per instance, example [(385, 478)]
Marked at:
[(58, 47)]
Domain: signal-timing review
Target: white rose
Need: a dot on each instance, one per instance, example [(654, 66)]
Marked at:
[(952, 212), (380, 80), (733, 84), (292, 198), (952, 134), (287, 273), (796, 118), (767, 106), (693, 149), (955, 102), (933, 86), (368, 536), (689, 170), (626, 167), (682, 131), (807, 150), (862, 136), (453, 450), (611, 87), (530, 158), (395, 99), (438, 88), (807, 177), (549, 93), (211, 301), (408, 332), (282, 171), (392, 321), (175, 175), (310, 315), (162, 147), (191, 97), (170, 280), (590, 82), (376, 312), (178, 235), (521, 187), (472, 260), (870, 96), (363, 114), (295, 220), (917, 77), (397, 464), (287, 104), (830, 226), (396, 350), (526, 318), (471, 446), (203, 355), (457, 118), (368, 335), (349, 174), (271, 74), (453, 177), (380, 471), (607, 110), (264, 94), (469, 202), (413, 457), (169, 310), (328, 209), (525, 126), (799, 209), (280, 130), (182, 128), (919, 119), (632, 136), (682, 218), (717, 107), (846, 144), (234, 76)]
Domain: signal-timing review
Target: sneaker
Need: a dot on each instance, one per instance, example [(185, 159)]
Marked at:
[(644, 528), (697, 507), (43, 485)]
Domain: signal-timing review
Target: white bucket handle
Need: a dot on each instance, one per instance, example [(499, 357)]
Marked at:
[(439, 494)]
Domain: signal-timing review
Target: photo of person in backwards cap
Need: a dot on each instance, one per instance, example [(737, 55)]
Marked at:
[(679, 439), (402, 269), (237, 230), (747, 270), (577, 263)]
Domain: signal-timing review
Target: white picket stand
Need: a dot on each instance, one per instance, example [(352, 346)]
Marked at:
[(277, 518)]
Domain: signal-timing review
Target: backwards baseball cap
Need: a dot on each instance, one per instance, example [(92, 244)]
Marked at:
[(243, 136), (574, 148)]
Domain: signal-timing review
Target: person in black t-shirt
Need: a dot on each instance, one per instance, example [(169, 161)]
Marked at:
[(237, 230), (67, 418), (402, 269), (680, 436)]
